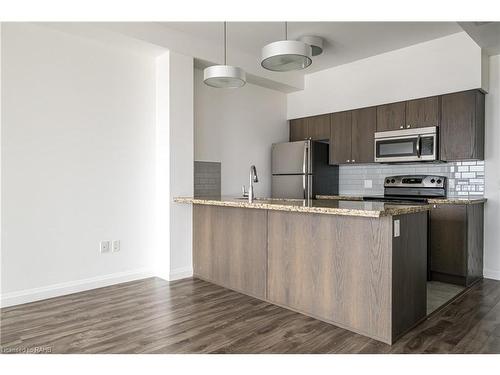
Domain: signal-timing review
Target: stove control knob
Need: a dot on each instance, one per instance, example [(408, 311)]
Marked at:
[(387, 181), (393, 180), (439, 181), (433, 180)]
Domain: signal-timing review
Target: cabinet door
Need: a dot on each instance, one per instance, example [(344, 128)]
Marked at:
[(340, 138), (364, 122), (421, 113), (448, 239), (462, 126), (298, 129), (391, 116), (318, 127)]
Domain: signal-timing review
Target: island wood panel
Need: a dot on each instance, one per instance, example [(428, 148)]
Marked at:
[(409, 273), (423, 112), (230, 247), (475, 231), (340, 137), (364, 123), (462, 126), (334, 268), (391, 116)]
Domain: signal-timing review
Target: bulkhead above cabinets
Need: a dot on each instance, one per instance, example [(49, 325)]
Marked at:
[(458, 116)]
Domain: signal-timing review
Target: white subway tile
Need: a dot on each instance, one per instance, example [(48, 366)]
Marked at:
[(477, 168), (458, 175), (469, 175), (463, 169), (468, 163)]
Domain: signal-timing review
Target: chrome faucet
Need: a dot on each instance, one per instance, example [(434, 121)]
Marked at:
[(253, 178)]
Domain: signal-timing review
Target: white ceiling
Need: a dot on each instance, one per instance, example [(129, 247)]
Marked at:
[(344, 41), (485, 34)]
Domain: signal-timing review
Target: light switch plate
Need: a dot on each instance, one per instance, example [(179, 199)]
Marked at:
[(397, 228), (105, 247), (116, 246), (368, 184)]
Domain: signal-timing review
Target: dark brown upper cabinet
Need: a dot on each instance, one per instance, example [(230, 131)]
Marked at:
[(391, 116), (340, 137), (316, 128), (351, 136), (319, 127), (462, 126), (424, 112), (298, 129), (364, 122)]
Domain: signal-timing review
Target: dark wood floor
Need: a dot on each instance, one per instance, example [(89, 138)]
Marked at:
[(193, 316)]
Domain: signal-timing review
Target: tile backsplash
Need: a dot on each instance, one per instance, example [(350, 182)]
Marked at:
[(207, 179), (465, 178)]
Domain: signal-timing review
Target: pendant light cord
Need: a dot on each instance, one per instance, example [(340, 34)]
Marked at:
[(286, 30), (225, 43)]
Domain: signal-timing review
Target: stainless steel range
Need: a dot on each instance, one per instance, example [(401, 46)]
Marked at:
[(412, 188)]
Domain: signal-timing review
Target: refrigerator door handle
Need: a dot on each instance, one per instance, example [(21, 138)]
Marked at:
[(304, 176), (305, 170), (304, 160)]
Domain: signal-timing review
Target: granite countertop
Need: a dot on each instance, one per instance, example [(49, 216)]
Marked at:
[(450, 200), (319, 206)]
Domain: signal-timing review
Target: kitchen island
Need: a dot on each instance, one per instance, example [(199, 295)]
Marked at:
[(358, 265)]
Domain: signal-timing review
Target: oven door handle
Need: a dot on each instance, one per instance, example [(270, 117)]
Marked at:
[(418, 145)]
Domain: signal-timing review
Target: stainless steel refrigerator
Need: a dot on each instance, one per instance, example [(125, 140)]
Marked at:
[(301, 170)]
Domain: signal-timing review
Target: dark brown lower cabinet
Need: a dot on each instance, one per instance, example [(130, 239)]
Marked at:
[(456, 243)]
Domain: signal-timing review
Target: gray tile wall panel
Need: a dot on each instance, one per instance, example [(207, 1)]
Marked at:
[(465, 178)]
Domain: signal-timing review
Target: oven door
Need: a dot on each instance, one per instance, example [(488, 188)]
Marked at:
[(406, 148)]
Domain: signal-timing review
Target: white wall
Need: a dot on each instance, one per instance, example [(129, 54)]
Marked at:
[(181, 163), (492, 173), (78, 158), (448, 64), (237, 128)]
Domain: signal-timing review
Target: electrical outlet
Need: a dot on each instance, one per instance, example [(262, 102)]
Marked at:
[(397, 228), (368, 184), (105, 246), (116, 246)]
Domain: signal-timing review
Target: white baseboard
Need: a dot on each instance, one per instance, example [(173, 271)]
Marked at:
[(55, 290), (491, 274), (181, 273)]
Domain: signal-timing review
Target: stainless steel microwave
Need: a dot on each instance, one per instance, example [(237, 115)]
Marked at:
[(418, 144)]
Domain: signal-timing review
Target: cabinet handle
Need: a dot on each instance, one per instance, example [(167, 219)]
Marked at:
[(407, 126), (354, 161), (401, 127), (348, 160)]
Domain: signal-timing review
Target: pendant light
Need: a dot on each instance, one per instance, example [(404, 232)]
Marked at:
[(286, 55), (224, 76)]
